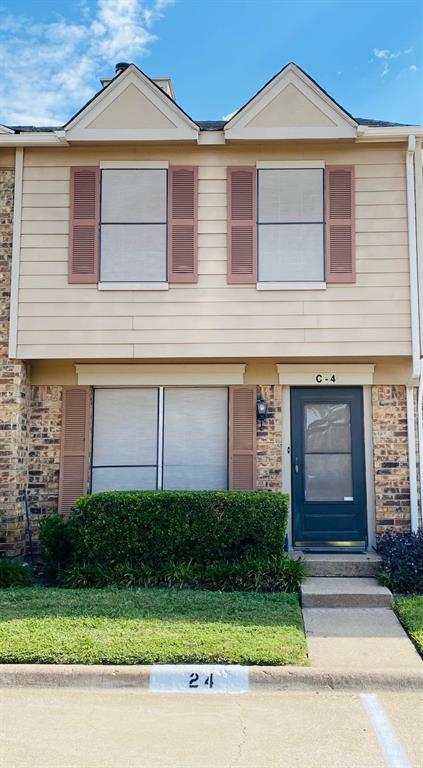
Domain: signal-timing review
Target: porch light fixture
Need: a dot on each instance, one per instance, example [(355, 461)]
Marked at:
[(261, 410)]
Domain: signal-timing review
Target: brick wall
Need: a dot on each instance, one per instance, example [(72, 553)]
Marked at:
[(14, 396), (390, 441), (44, 451), (269, 440)]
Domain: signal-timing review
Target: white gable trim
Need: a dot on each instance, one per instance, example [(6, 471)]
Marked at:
[(183, 128), (4, 129), (344, 125)]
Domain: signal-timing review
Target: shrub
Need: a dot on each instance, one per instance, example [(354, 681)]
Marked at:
[(56, 544), (402, 561), (272, 575), (158, 527), (213, 539), (13, 574)]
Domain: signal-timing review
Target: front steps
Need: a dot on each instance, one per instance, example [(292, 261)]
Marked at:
[(340, 565), (343, 580), (329, 592)]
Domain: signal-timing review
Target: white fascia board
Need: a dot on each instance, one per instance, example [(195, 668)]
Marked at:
[(131, 134), (271, 134), (211, 137), (5, 129), (388, 133), (47, 139)]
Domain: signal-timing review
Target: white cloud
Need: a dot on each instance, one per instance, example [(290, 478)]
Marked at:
[(413, 68), (230, 115), (50, 69), (387, 59), (385, 53)]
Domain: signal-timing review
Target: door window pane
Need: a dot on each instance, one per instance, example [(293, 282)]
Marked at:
[(328, 477), (327, 427), (195, 438)]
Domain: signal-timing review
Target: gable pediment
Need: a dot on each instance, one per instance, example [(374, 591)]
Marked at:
[(291, 106), (131, 108)]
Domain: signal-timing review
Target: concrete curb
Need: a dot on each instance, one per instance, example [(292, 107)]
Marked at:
[(261, 679)]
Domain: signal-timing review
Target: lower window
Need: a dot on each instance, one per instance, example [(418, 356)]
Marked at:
[(173, 438)]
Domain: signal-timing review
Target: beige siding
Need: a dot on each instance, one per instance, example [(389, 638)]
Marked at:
[(213, 319)]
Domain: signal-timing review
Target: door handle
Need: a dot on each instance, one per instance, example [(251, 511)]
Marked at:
[(296, 466)]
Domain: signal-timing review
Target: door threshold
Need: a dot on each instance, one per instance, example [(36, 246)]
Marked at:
[(331, 550)]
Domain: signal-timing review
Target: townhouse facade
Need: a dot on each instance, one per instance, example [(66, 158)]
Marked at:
[(214, 305)]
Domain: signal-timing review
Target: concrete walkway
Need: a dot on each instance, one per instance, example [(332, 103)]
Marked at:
[(350, 626), (359, 640)]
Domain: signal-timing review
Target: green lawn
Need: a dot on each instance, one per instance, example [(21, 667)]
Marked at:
[(410, 612), (146, 626)]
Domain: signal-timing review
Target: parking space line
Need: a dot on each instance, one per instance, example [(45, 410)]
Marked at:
[(392, 749)]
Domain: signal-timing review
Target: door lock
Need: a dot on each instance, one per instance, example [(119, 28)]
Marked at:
[(296, 466)]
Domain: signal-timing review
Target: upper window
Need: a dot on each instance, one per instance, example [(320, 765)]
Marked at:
[(133, 225), (290, 220)]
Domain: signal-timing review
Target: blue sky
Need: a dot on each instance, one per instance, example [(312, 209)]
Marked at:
[(368, 54)]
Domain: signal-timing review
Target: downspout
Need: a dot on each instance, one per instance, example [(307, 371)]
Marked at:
[(415, 332)]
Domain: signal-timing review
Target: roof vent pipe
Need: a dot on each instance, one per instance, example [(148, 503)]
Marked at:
[(121, 66)]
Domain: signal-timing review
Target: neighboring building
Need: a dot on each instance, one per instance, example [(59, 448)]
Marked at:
[(166, 273)]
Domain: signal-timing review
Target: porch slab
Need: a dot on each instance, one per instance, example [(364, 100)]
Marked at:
[(340, 565), (326, 592), (359, 640)]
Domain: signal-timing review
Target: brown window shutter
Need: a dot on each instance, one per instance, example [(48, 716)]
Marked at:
[(74, 446), (242, 225), (242, 438), (183, 197), (84, 224), (340, 224)]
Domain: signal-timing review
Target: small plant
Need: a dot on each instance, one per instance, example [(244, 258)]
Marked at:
[(13, 574), (402, 561), (56, 543)]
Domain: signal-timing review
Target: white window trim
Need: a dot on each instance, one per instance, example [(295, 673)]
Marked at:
[(266, 164), (292, 286), (137, 164), (133, 286), (161, 165), (299, 285)]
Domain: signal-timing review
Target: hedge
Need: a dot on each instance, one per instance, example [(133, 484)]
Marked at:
[(212, 539), (402, 561), (14, 574)]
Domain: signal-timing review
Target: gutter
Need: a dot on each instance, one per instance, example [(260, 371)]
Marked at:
[(416, 377), (27, 139)]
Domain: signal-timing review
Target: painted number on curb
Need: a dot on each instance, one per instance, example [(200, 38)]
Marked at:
[(198, 678)]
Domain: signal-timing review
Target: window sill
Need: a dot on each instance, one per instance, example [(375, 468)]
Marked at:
[(294, 286), (133, 286)]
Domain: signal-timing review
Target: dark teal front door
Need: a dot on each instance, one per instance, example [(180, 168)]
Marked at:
[(328, 467)]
